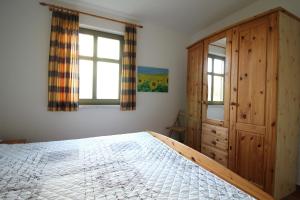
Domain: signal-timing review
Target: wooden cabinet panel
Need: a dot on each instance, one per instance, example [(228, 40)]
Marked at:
[(193, 77), (215, 154), (252, 72), (219, 143), (249, 141), (217, 131), (215, 136), (193, 132), (214, 143), (250, 157), (194, 91)]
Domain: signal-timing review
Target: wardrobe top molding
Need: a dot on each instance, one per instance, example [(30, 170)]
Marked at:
[(268, 12)]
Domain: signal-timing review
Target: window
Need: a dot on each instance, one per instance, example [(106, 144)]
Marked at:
[(215, 79), (99, 67)]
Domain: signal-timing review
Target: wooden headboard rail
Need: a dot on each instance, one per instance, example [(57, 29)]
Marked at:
[(213, 167)]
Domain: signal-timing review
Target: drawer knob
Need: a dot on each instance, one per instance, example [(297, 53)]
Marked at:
[(214, 131)]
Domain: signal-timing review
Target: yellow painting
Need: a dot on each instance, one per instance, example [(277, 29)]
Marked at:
[(151, 79)]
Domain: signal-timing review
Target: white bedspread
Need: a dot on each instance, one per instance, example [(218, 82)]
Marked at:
[(129, 166)]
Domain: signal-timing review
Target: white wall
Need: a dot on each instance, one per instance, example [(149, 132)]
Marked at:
[(253, 9), (24, 39)]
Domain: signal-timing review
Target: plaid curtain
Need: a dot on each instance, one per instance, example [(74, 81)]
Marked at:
[(128, 81), (63, 74)]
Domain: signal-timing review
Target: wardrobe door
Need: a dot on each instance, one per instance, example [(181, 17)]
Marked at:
[(216, 96), (248, 100), (194, 90)]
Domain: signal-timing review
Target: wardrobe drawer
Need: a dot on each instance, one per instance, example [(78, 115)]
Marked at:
[(215, 154), (215, 141), (217, 131)]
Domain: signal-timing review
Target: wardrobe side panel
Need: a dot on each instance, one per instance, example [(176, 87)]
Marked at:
[(288, 110)]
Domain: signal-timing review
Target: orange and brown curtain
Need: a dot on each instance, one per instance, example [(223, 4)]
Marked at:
[(63, 69), (128, 80)]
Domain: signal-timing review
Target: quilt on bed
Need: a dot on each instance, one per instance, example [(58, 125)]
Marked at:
[(129, 166)]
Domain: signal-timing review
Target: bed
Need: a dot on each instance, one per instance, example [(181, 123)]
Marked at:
[(143, 165)]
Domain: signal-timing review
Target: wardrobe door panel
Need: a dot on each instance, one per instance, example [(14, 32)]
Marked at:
[(194, 91), (252, 74), (248, 140), (250, 156)]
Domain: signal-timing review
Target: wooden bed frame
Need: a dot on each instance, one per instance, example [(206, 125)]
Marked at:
[(213, 167)]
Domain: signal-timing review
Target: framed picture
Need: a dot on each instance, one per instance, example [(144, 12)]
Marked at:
[(152, 79)]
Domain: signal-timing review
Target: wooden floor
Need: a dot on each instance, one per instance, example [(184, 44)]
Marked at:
[(294, 196)]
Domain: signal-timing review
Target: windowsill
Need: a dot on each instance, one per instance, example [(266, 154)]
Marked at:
[(99, 106)]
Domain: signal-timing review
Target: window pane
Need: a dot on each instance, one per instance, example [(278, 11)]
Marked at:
[(86, 44), (108, 48), (107, 80), (209, 67), (218, 66), (209, 88), (86, 79), (218, 88)]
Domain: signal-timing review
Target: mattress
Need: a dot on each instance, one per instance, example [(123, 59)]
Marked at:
[(128, 166)]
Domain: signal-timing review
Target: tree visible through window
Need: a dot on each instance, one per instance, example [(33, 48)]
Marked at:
[(99, 67), (215, 79)]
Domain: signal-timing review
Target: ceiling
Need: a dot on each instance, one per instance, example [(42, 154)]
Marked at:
[(188, 16)]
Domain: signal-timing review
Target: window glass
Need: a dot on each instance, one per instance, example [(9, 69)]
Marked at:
[(108, 48), (209, 87), (218, 88), (99, 67), (215, 79), (107, 80), (209, 67), (218, 66), (86, 45), (85, 79)]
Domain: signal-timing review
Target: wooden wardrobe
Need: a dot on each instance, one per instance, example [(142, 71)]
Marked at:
[(258, 134)]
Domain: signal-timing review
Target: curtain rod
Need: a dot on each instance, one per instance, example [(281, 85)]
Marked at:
[(85, 13)]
